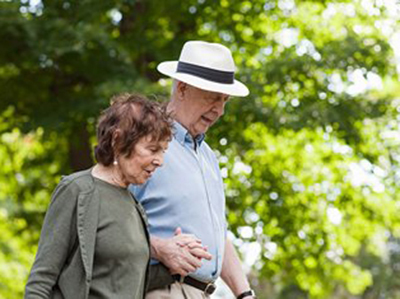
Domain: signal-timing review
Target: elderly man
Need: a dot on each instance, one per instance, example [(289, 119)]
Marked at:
[(187, 195)]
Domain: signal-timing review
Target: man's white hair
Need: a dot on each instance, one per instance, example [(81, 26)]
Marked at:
[(174, 84)]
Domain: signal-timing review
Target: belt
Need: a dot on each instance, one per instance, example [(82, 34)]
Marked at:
[(207, 288)]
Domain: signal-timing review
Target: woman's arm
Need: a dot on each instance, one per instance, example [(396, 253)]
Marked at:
[(56, 241)]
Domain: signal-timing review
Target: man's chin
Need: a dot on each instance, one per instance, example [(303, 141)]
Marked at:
[(201, 130)]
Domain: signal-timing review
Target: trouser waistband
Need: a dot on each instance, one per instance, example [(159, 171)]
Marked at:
[(207, 288)]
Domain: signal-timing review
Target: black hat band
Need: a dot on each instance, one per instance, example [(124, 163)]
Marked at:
[(206, 73)]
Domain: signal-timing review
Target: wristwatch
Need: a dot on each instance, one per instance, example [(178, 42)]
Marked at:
[(247, 293)]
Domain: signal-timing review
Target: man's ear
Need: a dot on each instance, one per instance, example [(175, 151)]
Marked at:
[(181, 89)]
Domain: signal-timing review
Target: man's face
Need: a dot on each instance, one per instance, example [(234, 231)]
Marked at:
[(199, 108)]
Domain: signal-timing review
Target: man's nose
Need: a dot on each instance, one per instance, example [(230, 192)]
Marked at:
[(219, 107)]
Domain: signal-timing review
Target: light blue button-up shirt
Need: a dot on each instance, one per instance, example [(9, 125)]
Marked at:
[(187, 192)]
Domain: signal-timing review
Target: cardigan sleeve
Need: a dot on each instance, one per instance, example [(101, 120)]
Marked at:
[(57, 238)]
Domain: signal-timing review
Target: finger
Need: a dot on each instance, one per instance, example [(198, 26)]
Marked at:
[(200, 253), (186, 259), (189, 244), (187, 238), (178, 231), (193, 245), (181, 244), (193, 261), (189, 269), (185, 267), (183, 263)]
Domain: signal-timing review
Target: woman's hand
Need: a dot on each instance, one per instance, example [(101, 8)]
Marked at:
[(181, 254)]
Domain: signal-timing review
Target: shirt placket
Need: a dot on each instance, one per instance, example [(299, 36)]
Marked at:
[(201, 163)]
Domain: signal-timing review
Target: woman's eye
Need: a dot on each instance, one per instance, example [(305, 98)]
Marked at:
[(154, 150)]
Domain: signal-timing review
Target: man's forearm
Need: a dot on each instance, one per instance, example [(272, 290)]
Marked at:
[(232, 273)]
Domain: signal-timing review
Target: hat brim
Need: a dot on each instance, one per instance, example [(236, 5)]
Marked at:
[(237, 88)]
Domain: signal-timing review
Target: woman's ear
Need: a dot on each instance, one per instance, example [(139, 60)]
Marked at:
[(115, 136)]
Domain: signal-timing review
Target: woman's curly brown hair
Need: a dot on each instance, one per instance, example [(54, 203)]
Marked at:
[(129, 118)]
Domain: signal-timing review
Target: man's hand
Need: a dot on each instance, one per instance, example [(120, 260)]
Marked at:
[(182, 254)]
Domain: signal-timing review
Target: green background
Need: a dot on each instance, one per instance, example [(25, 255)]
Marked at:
[(310, 158)]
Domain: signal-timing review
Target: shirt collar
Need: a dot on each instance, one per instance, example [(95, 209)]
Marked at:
[(183, 136)]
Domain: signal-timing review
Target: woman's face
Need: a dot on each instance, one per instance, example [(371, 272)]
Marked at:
[(145, 158)]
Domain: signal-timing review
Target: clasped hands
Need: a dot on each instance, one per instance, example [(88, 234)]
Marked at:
[(181, 254)]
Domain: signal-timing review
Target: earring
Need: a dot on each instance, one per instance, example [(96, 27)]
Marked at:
[(115, 162)]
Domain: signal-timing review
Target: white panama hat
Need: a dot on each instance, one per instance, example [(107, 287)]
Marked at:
[(207, 66)]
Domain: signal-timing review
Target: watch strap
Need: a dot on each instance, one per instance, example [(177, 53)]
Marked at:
[(246, 293)]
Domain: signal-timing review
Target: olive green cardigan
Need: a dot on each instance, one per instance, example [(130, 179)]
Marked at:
[(64, 260)]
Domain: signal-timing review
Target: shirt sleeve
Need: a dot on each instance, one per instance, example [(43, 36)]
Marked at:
[(56, 241)]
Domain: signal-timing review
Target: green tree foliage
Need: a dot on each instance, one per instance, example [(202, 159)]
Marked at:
[(30, 168), (311, 157)]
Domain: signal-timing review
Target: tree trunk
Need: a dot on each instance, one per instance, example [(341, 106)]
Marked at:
[(80, 152)]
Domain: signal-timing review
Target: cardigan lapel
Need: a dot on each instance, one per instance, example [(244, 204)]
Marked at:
[(88, 214)]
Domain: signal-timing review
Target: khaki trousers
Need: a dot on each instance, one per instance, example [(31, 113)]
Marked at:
[(177, 290)]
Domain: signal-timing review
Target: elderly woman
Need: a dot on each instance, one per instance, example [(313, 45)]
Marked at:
[(94, 242)]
